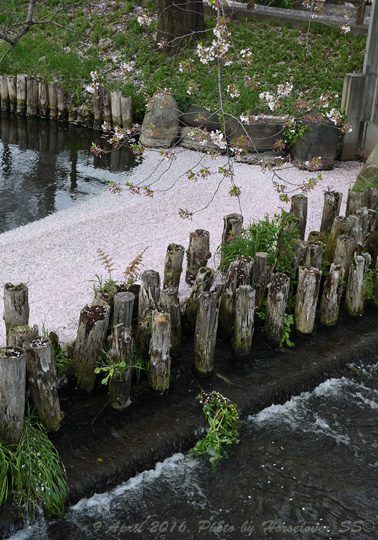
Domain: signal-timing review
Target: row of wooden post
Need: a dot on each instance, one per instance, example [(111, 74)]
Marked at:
[(26, 365), (230, 306), (29, 96)]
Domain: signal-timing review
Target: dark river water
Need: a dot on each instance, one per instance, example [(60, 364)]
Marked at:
[(47, 166), (306, 469)]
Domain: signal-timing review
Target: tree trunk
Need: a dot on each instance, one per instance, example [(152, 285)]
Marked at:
[(173, 266), (298, 208), (91, 334), (206, 333), (307, 298), (204, 280), (180, 22), (333, 290), (278, 294), (160, 360), (260, 277), (356, 286), (331, 209), (170, 304), (42, 382), (244, 321), (198, 253), (12, 393), (16, 306)]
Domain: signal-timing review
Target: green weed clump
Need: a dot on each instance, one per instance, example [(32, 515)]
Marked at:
[(34, 471)]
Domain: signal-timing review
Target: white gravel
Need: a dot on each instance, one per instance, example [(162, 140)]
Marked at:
[(57, 255)]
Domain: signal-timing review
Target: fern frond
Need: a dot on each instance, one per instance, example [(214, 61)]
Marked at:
[(106, 261), (131, 273)]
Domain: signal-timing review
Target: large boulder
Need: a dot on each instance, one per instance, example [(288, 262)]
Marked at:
[(259, 136), (161, 122), (200, 117), (319, 140), (370, 169)]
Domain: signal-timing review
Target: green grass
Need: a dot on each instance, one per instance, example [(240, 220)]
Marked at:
[(103, 41)]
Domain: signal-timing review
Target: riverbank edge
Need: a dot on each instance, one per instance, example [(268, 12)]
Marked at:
[(270, 380)]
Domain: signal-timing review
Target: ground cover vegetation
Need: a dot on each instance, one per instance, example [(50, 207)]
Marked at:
[(119, 40)]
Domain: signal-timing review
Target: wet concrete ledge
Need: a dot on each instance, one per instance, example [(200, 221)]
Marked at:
[(174, 423), (101, 448)]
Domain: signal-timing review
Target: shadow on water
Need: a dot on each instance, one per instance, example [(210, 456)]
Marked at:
[(47, 166)]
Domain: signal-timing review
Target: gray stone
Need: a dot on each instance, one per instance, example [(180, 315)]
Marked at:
[(260, 136), (163, 114), (193, 141), (200, 117), (370, 169), (319, 140)]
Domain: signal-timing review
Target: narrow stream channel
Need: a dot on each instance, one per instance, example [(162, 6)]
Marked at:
[(47, 166), (305, 470)]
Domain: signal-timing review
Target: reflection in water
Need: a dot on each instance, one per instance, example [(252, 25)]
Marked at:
[(47, 166)]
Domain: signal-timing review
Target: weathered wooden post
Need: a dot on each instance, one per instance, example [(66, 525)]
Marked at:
[(315, 236), (260, 277), (278, 294), (366, 218), (239, 273), (43, 98), (4, 93), (160, 360), (106, 107), (232, 227), (372, 239), (21, 94), (345, 246), (149, 295), (354, 202), (204, 280), (371, 197), (355, 230), (72, 115), (307, 298), (115, 102), (173, 265), (356, 285), (62, 114), (122, 350), (126, 111), (333, 290), (42, 382), (341, 225), (170, 304), (198, 253), (91, 334), (18, 334), (300, 251), (244, 321), (12, 92), (313, 254), (16, 306), (376, 283), (53, 100), (32, 97), (206, 333), (97, 107), (12, 393), (298, 208), (331, 209)]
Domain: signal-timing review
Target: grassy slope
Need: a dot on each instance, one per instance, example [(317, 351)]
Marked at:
[(109, 34)]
